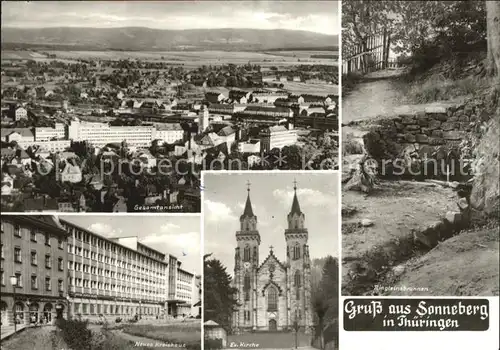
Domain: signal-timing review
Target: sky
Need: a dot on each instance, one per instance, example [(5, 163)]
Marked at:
[(271, 195), (176, 235), (315, 16)]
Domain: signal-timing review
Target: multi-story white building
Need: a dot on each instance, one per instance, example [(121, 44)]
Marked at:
[(250, 146), (122, 277), (48, 133), (277, 137), (101, 134), (20, 113), (168, 133), (52, 146)]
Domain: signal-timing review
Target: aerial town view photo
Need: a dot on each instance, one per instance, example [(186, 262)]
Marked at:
[(118, 106), (100, 282)]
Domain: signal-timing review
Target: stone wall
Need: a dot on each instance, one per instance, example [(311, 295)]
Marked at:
[(422, 143)]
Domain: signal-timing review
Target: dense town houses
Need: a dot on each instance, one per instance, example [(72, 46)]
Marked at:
[(63, 270), (148, 115)]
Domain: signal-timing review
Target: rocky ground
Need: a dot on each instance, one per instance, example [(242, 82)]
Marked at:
[(386, 218)]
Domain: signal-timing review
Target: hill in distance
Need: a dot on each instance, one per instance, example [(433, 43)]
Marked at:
[(147, 39)]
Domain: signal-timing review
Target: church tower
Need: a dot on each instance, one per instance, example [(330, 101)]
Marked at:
[(203, 119), (299, 267), (246, 263)]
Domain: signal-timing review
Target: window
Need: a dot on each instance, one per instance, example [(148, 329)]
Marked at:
[(3, 278), (272, 299), (48, 284), (60, 285), (34, 260), (17, 231), (34, 282), (60, 244), (17, 255), (33, 235), (60, 266), (70, 248), (47, 239), (19, 280), (3, 257), (246, 253), (296, 279), (246, 287), (296, 252), (48, 261)]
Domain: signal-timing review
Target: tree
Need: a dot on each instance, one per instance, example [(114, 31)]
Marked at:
[(325, 303), (219, 296), (493, 35)]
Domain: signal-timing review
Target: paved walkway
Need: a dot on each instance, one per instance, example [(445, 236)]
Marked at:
[(7, 331), (376, 95)]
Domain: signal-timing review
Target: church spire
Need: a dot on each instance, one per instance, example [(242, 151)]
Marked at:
[(248, 212), (295, 204)]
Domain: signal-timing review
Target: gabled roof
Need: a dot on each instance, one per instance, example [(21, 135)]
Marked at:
[(267, 109), (213, 93), (271, 256), (277, 128), (26, 132), (226, 131)]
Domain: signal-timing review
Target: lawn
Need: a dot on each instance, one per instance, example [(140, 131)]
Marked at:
[(313, 89), (179, 333), (47, 338), (268, 340)]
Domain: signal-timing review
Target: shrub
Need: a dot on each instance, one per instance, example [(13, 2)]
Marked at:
[(75, 333), (441, 89), (213, 343), (118, 320), (351, 146)]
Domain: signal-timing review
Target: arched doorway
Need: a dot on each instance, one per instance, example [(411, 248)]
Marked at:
[(3, 311), (59, 310), (273, 325), (47, 313), (33, 308), (19, 313)]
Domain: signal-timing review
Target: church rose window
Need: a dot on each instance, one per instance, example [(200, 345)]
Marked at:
[(272, 299)]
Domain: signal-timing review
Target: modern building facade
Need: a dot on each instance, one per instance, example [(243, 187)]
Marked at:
[(34, 251), (101, 134), (63, 270), (122, 277), (47, 133), (277, 137)]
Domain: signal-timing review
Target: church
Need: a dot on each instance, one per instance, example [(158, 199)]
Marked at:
[(273, 295)]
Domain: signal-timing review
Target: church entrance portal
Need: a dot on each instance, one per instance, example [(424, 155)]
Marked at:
[(273, 327)]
